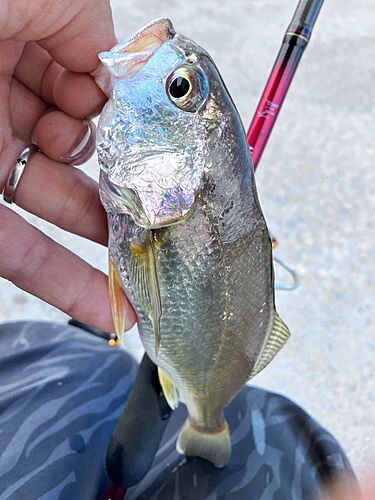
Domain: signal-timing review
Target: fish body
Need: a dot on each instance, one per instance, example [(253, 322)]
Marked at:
[(187, 236)]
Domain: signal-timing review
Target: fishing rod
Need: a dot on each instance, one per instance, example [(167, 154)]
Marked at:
[(293, 45), (294, 42)]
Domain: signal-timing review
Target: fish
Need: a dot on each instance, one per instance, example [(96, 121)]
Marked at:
[(188, 242)]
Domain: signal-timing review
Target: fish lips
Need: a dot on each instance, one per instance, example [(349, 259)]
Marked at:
[(125, 59)]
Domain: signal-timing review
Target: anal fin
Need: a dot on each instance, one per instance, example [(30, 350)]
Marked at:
[(169, 389), (276, 340), (118, 305)]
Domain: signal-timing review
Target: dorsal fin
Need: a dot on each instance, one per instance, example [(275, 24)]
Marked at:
[(278, 336)]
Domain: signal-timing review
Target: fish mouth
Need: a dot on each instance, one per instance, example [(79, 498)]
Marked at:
[(128, 57)]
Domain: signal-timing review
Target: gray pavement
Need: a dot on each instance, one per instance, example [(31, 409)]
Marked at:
[(316, 185)]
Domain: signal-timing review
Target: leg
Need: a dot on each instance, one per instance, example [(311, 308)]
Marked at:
[(61, 393), (278, 453)]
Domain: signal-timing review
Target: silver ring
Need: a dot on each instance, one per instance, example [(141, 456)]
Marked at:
[(17, 171)]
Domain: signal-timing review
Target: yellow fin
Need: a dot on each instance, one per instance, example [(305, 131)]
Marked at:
[(118, 306), (155, 294), (278, 336), (143, 272), (213, 446), (169, 389)]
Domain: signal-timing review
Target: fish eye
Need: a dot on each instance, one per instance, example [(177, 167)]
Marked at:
[(187, 88), (179, 87)]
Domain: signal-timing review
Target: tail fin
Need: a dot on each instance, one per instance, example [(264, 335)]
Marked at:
[(213, 446)]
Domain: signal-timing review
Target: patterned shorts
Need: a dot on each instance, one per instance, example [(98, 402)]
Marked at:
[(62, 391)]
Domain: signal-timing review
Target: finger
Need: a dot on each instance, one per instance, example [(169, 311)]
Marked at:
[(78, 95), (64, 138), (64, 29), (64, 196), (25, 110), (75, 93), (37, 71), (74, 47), (40, 266), (346, 489), (10, 146)]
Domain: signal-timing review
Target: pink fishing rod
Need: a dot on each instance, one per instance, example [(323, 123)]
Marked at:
[(294, 43), (114, 493)]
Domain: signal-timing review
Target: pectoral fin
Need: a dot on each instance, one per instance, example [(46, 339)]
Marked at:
[(169, 389), (143, 273), (118, 306), (278, 336)]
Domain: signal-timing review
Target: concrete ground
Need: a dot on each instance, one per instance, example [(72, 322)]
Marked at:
[(316, 185)]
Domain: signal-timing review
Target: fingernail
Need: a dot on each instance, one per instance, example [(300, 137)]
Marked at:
[(84, 148), (96, 112)]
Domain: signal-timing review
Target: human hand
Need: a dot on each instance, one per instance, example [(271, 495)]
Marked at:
[(47, 50), (347, 491)]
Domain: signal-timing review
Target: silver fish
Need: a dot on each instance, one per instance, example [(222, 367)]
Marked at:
[(188, 242)]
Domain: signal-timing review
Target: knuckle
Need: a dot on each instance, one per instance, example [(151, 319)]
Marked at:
[(81, 295)]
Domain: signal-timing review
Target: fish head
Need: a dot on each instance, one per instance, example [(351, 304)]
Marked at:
[(167, 109)]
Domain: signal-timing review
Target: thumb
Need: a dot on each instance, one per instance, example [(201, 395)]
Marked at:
[(72, 32)]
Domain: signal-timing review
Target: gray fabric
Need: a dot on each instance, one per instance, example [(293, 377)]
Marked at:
[(278, 453), (61, 392)]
